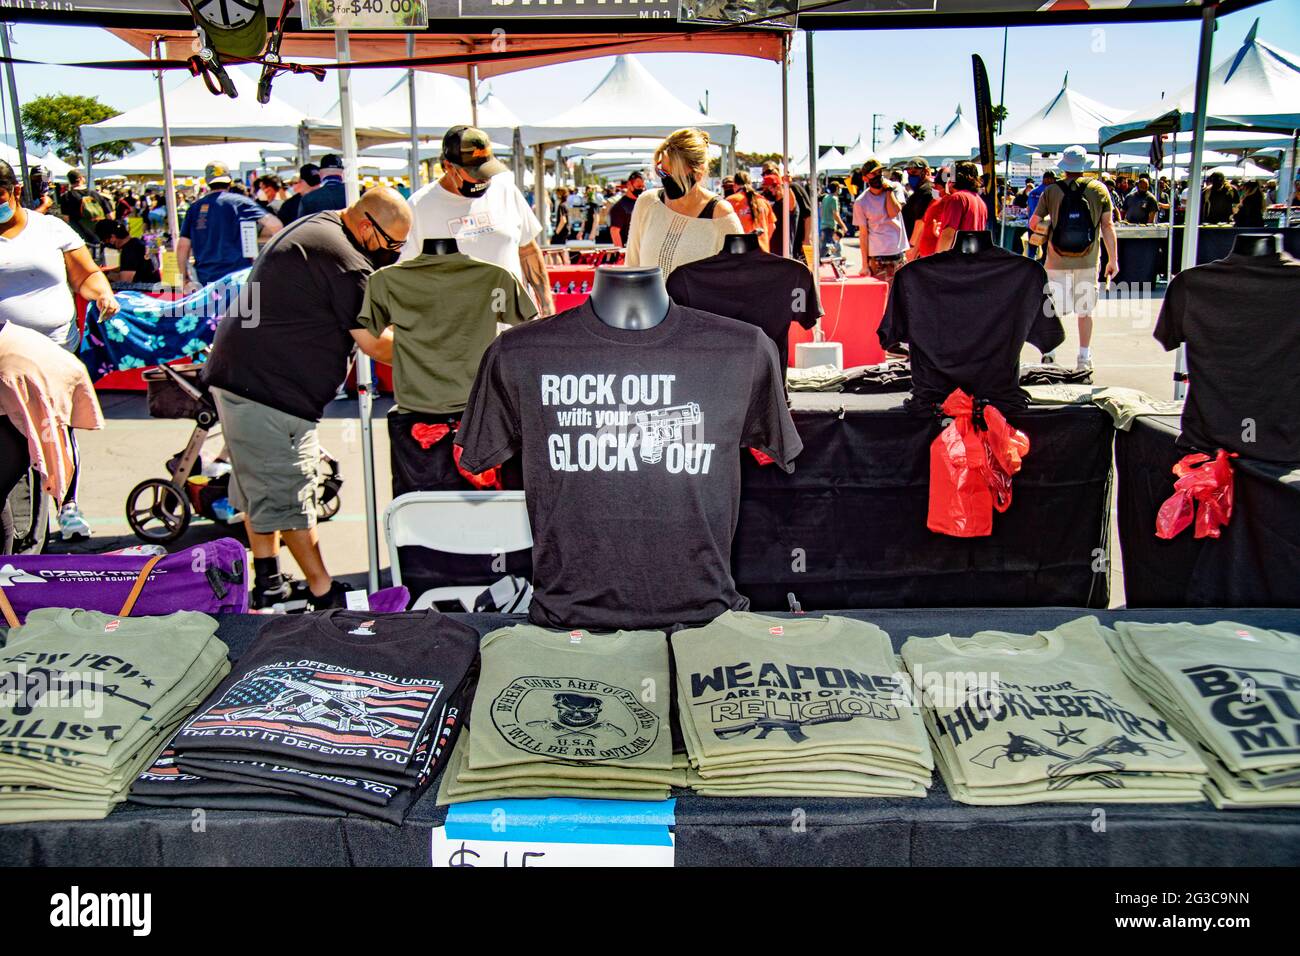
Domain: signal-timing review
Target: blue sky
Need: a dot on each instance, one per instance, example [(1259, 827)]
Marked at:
[(919, 75)]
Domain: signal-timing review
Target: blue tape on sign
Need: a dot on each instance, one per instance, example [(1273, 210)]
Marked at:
[(561, 820)]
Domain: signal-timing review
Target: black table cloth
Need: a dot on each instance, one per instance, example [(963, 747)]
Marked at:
[(934, 831), (847, 529), (1256, 560)]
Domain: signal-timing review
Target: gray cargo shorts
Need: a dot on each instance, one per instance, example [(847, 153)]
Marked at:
[(274, 458)]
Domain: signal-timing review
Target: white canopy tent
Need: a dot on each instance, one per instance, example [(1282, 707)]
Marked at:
[(1069, 118), (189, 161), (57, 167), (902, 147), (196, 116), (1221, 140), (1246, 170), (833, 161), (441, 102), (959, 140), (1255, 91), (1257, 88), (627, 102)]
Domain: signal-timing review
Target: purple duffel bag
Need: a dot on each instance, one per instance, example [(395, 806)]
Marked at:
[(210, 577)]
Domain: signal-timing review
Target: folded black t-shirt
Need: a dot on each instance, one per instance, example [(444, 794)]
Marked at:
[(966, 316), (164, 784), (631, 444), (1240, 321), (756, 287), (339, 689)]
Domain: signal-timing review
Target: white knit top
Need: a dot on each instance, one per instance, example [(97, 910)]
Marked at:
[(660, 237)]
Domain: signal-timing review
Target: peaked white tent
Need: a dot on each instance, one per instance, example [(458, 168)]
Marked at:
[(833, 161), (1257, 88), (441, 102), (858, 153), (57, 167), (903, 146), (1069, 118), (1246, 170), (627, 102), (959, 140), (195, 116)]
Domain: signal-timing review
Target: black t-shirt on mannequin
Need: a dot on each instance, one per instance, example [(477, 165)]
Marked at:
[(1238, 317), (966, 316), (756, 287), (630, 441)]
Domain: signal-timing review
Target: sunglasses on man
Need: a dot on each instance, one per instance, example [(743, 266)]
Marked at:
[(391, 244)]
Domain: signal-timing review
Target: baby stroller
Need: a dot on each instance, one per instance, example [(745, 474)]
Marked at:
[(159, 510)]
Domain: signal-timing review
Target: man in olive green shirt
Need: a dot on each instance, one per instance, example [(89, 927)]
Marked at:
[(444, 311)]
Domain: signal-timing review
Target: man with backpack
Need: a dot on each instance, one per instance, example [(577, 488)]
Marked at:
[(1076, 215), (85, 208)]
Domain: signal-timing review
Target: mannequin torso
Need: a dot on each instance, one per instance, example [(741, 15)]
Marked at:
[(440, 247), (630, 297), (738, 243), (969, 241), (1257, 244)]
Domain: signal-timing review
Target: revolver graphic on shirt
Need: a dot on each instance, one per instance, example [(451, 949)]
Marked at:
[(659, 426)]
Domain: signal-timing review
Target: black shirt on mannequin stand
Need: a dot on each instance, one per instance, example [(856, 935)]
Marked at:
[(1238, 318), (440, 247), (630, 297), (743, 282)]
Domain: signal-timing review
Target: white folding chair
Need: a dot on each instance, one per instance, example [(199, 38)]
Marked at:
[(456, 522)]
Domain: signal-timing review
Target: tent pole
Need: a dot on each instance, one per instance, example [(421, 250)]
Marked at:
[(517, 147), (539, 189), (169, 182), (1173, 207), (365, 378), (816, 236), (1286, 184), (19, 141), (1006, 178), (1192, 221), (785, 146), (471, 73), (415, 131)]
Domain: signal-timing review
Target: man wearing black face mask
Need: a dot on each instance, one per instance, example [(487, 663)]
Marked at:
[(477, 203), (279, 356)]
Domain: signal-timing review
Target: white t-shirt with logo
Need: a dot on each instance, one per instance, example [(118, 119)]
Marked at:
[(34, 291), (490, 227)]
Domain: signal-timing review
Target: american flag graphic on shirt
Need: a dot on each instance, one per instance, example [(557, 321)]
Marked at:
[(328, 704)]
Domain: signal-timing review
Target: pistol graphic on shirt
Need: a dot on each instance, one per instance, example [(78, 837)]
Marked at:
[(662, 425)]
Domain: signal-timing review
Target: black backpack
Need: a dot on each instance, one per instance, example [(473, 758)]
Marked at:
[(1073, 231)]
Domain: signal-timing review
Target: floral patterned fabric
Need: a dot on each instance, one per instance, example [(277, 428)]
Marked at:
[(151, 331)]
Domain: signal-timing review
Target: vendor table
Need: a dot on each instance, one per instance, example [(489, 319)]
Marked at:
[(1143, 253), (1215, 242), (847, 529), (854, 307), (756, 831), (1255, 562)]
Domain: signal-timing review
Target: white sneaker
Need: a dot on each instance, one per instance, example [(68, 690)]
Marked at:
[(73, 523), (1083, 364)]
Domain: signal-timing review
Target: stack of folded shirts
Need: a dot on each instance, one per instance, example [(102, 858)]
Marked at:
[(347, 709), (567, 714), (1046, 718), (1234, 691), (87, 700), (797, 707)]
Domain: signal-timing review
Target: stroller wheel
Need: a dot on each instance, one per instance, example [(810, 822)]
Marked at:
[(327, 508), (157, 511)]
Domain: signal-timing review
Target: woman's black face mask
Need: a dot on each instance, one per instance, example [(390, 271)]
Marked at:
[(672, 188)]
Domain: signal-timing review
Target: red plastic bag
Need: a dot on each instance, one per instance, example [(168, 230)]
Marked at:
[(430, 435), (971, 468), (1202, 493)]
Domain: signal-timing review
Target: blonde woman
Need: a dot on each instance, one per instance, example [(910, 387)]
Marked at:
[(682, 222)]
